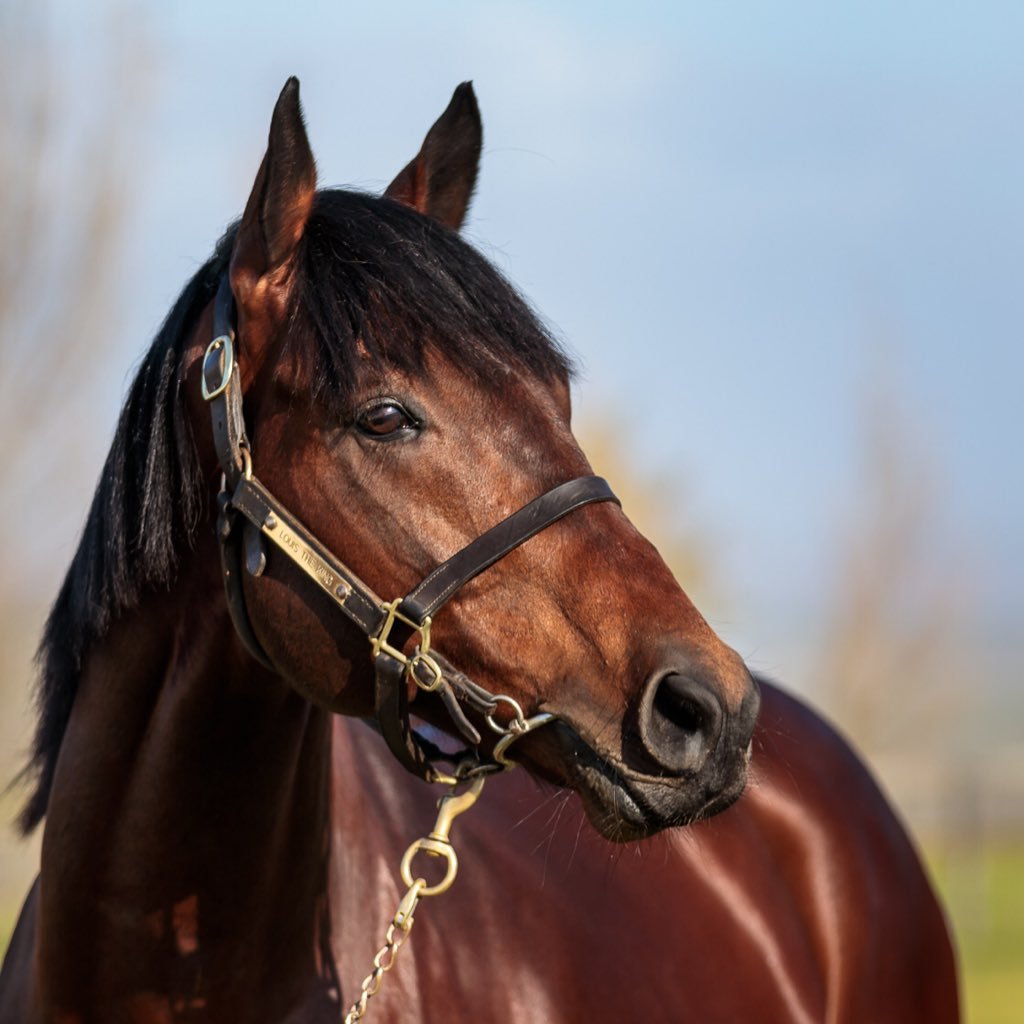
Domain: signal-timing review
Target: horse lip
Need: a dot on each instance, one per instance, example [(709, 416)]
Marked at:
[(621, 803), (560, 752), (585, 752), (613, 806)]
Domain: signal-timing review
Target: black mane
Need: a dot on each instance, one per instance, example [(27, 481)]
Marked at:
[(369, 269)]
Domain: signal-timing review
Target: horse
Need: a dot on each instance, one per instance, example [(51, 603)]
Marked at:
[(235, 732)]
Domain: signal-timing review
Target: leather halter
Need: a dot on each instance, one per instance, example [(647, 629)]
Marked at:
[(389, 625)]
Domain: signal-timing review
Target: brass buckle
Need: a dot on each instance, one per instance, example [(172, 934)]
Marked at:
[(222, 341), (420, 656)]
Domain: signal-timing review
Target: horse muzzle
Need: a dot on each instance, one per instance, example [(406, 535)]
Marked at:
[(683, 757)]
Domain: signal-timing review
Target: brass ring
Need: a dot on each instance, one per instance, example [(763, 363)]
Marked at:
[(435, 849), (506, 741), (518, 718)]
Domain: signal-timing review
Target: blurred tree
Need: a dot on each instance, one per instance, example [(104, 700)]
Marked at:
[(897, 642), (73, 88), (64, 159)]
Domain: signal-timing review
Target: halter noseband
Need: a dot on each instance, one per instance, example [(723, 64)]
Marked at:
[(389, 625)]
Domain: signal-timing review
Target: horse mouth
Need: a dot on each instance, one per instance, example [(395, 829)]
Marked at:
[(624, 804)]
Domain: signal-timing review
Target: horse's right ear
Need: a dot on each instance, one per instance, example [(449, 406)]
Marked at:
[(440, 179), (275, 215)]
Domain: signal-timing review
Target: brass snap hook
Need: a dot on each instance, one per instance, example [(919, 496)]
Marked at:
[(438, 843)]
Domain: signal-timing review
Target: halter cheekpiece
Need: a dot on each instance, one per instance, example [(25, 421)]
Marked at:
[(389, 625)]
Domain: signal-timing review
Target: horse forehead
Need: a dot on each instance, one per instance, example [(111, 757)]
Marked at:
[(510, 393)]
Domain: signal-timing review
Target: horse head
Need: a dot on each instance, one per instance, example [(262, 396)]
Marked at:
[(401, 399)]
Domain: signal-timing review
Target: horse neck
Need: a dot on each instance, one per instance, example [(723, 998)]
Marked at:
[(187, 830)]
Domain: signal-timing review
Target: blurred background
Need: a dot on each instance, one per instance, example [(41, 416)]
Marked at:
[(785, 243)]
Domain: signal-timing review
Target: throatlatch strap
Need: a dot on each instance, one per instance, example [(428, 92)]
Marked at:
[(390, 707), (231, 573)]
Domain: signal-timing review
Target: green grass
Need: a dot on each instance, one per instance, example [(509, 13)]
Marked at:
[(984, 892)]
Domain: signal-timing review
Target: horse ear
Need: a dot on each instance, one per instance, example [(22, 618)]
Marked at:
[(440, 179), (278, 207)]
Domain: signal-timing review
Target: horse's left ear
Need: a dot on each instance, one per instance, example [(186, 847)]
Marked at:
[(276, 213), (440, 179)]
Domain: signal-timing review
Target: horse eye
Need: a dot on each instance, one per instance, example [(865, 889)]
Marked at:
[(385, 420)]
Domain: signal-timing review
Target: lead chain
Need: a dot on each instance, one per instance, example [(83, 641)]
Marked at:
[(394, 938), (436, 844)]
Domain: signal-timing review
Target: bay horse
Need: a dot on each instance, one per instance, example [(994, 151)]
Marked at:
[(348, 400)]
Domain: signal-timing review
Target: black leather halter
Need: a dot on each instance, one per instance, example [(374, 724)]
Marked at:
[(389, 625)]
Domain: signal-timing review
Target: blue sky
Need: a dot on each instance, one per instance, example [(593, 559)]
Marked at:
[(736, 215)]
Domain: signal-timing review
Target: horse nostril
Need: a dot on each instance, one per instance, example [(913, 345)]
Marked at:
[(682, 723), (671, 701)]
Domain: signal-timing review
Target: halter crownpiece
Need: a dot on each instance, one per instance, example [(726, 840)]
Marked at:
[(389, 625)]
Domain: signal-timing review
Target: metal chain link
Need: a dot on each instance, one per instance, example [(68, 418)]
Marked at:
[(515, 730), (394, 938)]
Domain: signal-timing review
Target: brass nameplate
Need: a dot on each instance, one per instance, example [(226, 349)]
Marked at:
[(303, 555)]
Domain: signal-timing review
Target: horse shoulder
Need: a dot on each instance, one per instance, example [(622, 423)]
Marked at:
[(827, 848), (804, 902)]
